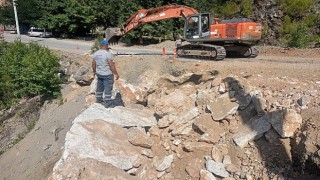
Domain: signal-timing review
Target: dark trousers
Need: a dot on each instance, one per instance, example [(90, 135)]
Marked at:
[(105, 84)]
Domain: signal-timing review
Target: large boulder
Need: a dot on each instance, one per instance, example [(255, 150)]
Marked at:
[(88, 168), (82, 76), (123, 116), (99, 140)]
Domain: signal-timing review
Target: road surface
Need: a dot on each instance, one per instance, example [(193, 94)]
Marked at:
[(77, 46)]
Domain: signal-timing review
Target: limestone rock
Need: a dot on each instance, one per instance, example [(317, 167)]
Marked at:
[(193, 168), (231, 168), (165, 163), (166, 121), (221, 107), (99, 140), (82, 76), (304, 100), (122, 116), (217, 168), (193, 146), (93, 85), (175, 103), (130, 93), (255, 129), (88, 168), (183, 125), (210, 128), (147, 152), (139, 138), (285, 122), (90, 99), (206, 175)]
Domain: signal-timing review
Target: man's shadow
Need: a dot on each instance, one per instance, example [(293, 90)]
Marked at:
[(274, 151)]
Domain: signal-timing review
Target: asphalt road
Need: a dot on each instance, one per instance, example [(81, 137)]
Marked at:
[(77, 46)]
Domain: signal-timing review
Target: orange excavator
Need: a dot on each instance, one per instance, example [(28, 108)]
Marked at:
[(209, 37)]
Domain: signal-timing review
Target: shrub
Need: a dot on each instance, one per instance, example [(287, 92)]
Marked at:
[(295, 34), (296, 7), (27, 70), (246, 8), (229, 9)]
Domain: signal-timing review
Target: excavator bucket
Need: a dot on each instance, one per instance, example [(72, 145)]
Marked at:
[(113, 34)]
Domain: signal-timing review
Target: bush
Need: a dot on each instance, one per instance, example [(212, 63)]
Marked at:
[(246, 8), (27, 70), (295, 34), (296, 7)]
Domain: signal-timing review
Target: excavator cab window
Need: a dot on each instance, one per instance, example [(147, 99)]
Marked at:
[(192, 27), (205, 25)]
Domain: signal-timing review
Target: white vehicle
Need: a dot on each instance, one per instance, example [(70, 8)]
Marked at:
[(39, 32)]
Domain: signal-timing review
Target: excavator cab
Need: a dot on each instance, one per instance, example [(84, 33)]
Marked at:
[(197, 26)]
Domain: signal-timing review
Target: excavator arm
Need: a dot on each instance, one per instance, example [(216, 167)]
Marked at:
[(143, 16)]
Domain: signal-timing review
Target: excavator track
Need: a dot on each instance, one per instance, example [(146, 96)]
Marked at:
[(202, 51)]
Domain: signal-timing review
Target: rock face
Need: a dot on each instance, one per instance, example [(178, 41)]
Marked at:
[(122, 116), (285, 122), (221, 107), (99, 140)]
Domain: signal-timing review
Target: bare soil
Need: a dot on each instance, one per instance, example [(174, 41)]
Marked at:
[(275, 68)]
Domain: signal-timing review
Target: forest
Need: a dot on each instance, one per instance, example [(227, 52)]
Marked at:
[(291, 22)]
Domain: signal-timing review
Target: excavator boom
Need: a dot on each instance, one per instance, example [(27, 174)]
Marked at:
[(151, 15)]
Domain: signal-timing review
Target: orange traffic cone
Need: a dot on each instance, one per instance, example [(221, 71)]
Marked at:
[(175, 53), (163, 52)]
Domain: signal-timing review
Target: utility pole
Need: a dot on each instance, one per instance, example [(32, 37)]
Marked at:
[(16, 17)]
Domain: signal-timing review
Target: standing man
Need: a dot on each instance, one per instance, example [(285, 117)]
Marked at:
[(178, 42), (104, 67)]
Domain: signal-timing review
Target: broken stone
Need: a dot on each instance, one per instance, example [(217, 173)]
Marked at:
[(122, 116), (218, 152), (183, 125), (231, 168), (211, 138), (160, 174), (192, 146), (222, 88), (166, 121), (285, 122), (304, 100), (176, 142), (255, 129), (93, 85), (217, 168), (226, 160), (139, 138), (216, 82), (82, 76), (221, 107), (193, 168), (165, 163), (175, 103), (147, 152), (206, 175)]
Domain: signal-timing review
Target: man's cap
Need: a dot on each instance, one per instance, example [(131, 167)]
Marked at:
[(104, 42)]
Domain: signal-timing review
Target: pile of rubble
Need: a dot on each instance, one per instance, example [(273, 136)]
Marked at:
[(195, 126)]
